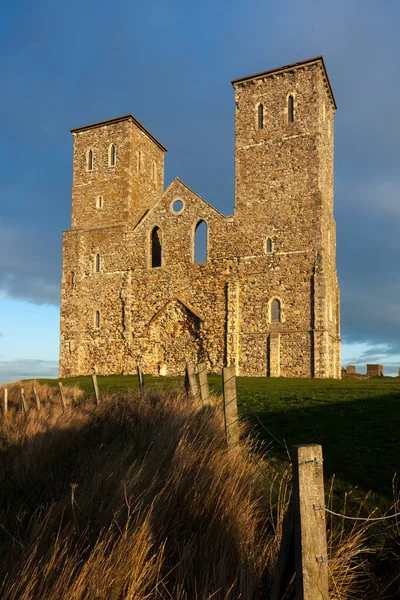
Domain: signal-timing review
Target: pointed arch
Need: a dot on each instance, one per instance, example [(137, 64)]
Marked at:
[(275, 311), (112, 155), (89, 160), (156, 247), (200, 245), (260, 116), (268, 245)]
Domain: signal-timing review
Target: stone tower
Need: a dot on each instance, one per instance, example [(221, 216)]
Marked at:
[(266, 297), (284, 193), (106, 189)]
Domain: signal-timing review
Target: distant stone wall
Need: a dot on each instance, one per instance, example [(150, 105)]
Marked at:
[(374, 370)]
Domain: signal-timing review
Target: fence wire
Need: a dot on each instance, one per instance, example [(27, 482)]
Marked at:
[(365, 519), (262, 425)]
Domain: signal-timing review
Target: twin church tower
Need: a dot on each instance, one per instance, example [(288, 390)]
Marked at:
[(265, 297)]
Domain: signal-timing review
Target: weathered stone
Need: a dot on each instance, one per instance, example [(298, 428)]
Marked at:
[(119, 310), (374, 370)]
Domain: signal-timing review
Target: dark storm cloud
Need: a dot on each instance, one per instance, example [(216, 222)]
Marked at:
[(171, 65), (30, 264)]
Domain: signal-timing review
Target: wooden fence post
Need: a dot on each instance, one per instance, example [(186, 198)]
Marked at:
[(310, 545), (203, 380), (191, 378), (5, 402), (36, 399), (96, 389), (140, 378), (284, 569), (230, 406), (62, 394), (23, 401)]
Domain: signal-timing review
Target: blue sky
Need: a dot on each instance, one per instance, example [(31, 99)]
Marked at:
[(170, 64)]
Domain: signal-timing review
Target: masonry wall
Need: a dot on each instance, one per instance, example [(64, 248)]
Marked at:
[(218, 311), (128, 188)]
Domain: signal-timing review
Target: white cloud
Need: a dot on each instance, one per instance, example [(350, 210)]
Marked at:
[(13, 370), (361, 353)]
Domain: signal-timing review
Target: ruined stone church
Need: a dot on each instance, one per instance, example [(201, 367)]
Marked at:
[(265, 297)]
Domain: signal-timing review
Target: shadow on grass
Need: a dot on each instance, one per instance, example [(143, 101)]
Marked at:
[(360, 437), (153, 457)]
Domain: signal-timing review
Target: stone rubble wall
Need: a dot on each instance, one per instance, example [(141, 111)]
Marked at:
[(217, 312)]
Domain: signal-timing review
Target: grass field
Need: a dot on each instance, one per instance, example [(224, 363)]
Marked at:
[(356, 421), (116, 479)]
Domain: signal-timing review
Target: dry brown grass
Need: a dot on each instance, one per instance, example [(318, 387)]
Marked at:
[(140, 499), (136, 498), (47, 394)]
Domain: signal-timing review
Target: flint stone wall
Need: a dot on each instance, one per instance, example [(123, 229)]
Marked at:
[(217, 312)]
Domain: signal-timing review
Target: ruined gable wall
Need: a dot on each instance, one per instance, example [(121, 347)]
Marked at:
[(129, 293)]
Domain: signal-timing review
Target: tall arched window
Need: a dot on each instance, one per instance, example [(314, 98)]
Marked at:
[(72, 280), (260, 116), (200, 242), (275, 311), (290, 109), (97, 263), (268, 245), (90, 160), (112, 156), (156, 247), (97, 320)]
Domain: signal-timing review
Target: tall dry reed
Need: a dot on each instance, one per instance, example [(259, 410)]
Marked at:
[(140, 498)]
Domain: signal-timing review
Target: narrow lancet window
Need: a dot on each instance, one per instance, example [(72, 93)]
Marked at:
[(260, 116), (112, 156), (72, 280), (275, 311), (268, 245), (140, 161), (97, 263), (97, 319), (200, 242), (156, 247), (291, 109), (90, 160)]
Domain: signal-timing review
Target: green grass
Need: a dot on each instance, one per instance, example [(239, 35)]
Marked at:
[(356, 421)]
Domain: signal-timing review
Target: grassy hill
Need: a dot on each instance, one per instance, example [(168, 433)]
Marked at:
[(356, 421), (139, 498)]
